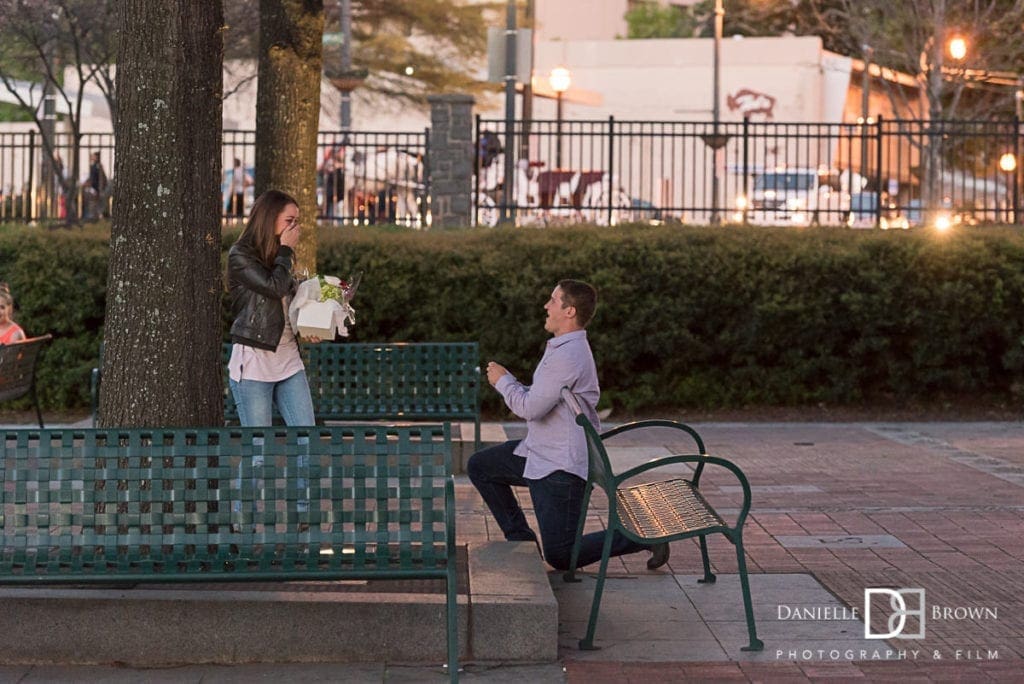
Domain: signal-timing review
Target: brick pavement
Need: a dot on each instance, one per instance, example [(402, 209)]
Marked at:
[(944, 506)]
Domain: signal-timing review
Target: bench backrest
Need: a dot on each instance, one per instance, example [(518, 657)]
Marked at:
[(416, 381), (599, 468), (160, 501), (18, 366)]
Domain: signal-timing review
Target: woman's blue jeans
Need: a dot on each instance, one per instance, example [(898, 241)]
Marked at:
[(256, 400), (557, 501)]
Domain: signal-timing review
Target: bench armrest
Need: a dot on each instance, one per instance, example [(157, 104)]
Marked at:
[(656, 463), (642, 424)]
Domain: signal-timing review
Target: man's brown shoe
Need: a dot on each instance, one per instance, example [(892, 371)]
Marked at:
[(659, 556)]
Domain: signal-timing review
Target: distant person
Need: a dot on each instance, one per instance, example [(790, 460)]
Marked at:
[(332, 176), (58, 185), (490, 148), (552, 460), (95, 187), (238, 181), (9, 330)]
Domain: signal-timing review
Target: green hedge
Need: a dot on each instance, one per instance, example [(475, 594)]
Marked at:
[(59, 281), (688, 317)]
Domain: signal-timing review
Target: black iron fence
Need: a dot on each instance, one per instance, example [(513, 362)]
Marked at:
[(37, 185), (878, 173), (362, 177), (885, 173)]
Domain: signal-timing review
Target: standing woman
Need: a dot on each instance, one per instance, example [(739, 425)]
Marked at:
[(9, 330), (265, 367)]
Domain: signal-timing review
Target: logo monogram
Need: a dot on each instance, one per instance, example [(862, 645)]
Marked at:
[(898, 600)]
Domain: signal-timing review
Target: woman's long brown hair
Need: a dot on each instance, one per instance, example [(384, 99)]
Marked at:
[(259, 229)]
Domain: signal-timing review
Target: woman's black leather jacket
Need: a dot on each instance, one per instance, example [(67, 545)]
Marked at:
[(256, 293)]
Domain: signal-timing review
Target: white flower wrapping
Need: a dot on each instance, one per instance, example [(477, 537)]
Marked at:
[(312, 316)]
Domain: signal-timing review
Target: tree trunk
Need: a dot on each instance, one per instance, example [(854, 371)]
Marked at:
[(288, 109), (162, 337)]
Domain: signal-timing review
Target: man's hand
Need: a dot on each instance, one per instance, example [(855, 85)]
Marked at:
[(494, 372)]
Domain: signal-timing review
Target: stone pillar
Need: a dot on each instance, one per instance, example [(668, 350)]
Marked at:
[(450, 154)]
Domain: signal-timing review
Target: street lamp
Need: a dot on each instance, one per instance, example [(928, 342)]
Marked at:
[(560, 79), (1008, 165), (957, 48), (715, 111)]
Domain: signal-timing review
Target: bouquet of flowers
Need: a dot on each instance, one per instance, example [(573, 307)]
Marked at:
[(321, 306)]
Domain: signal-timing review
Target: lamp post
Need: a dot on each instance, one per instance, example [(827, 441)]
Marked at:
[(346, 62), (865, 105), (560, 80), (508, 206), (1008, 165), (347, 79), (715, 110)]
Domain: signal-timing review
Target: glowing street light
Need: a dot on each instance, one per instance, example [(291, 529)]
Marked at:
[(1008, 162), (1008, 165), (560, 79), (957, 48)]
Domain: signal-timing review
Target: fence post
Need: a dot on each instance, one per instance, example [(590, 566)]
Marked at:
[(878, 171), (746, 169), (611, 167), (27, 202), (1016, 171), (450, 151)]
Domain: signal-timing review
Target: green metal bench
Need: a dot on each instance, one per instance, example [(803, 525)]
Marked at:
[(430, 381), (18, 370), (229, 504), (421, 381), (659, 511)]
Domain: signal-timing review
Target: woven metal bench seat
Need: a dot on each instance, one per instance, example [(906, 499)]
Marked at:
[(660, 509), (657, 511), (229, 504)]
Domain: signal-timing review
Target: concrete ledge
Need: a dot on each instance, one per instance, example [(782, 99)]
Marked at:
[(515, 614), (510, 616), (172, 626)]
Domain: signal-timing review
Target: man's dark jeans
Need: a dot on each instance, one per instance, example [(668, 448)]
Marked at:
[(557, 500)]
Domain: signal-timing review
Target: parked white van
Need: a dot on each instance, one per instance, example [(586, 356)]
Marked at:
[(791, 196)]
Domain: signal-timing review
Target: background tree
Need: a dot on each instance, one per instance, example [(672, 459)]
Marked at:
[(38, 38), (649, 20), (288, 108), (443, 41), (913, 37), (161, 364)]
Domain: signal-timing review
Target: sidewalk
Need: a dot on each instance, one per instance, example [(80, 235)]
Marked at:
[(837, 508)]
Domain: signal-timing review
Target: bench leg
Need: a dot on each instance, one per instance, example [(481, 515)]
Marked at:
[(755, 643), (587, 642), (453, 626), (709, 577)]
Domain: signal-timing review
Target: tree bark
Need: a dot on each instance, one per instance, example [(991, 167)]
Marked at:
[(288, 109), (162, 337)]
